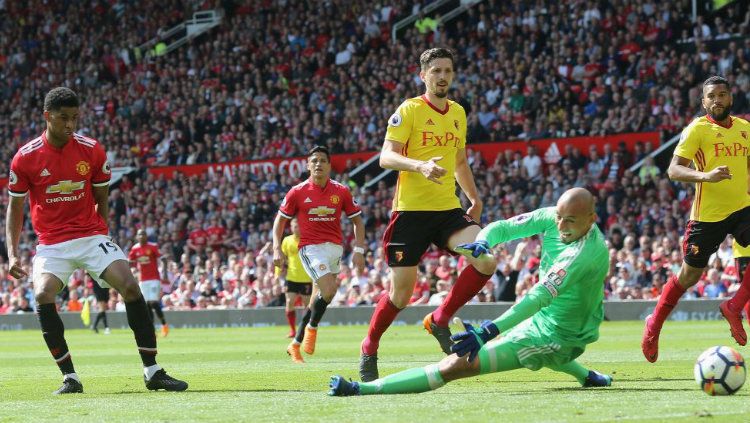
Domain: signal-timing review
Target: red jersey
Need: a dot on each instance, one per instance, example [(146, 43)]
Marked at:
[(59, 182), (199, 238), (318, 211), (216, 235), (147, 259)]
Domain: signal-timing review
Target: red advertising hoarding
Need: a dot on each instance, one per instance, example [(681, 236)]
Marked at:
[(339, 162)]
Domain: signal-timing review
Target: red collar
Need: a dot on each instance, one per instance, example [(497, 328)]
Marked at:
[(710, 119), (442, 112)]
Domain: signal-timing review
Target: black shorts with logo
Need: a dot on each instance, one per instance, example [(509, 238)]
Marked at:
[(410, 233), (101, 294), (703, 238), (301, 288)]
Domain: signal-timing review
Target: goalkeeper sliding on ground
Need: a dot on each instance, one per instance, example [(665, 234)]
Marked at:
[(550, 327)]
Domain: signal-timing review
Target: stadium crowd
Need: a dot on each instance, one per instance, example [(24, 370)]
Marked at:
[(254, 88)]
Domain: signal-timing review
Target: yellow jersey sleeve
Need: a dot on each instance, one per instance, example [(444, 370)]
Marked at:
[(400, 123), (689, 141)]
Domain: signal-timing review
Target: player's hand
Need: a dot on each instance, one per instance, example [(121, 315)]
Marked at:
[(15, 268), (433, 171), (473, 339), (475, 211), (358, 260), (474, 249), (278, 258), (719, 174)]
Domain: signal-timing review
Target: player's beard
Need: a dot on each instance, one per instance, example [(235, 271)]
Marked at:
[(723, 115), (441, 94)]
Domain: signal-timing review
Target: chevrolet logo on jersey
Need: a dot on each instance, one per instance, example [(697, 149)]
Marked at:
[(65, 187), (323, 214), (322, 211)]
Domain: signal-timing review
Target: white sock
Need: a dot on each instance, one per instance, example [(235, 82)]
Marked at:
[(72, 376), (150, 370)]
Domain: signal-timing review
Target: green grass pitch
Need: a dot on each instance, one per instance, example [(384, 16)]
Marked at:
[(245, 375)]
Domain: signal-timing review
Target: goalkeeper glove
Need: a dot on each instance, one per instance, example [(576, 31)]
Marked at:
[(471, 341), (475, 249)]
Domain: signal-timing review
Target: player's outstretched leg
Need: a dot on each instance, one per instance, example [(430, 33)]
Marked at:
[(587, 378), (418, 379)]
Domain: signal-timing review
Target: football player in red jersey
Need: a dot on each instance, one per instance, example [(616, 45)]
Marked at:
[(66, 177), (146, 256), (317, 203)]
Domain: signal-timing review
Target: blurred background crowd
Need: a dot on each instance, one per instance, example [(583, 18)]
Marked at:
[(277, 77)]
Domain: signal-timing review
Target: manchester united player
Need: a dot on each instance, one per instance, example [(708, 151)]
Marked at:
[(66, 177), (317, 204), (146, 255), (717, 144), (425, 141)]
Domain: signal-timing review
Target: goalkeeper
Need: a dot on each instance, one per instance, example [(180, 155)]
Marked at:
[(565, 307)]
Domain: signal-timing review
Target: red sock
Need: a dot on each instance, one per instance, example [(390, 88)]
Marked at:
[(291, 317), (738, 301), (669, 298), (469, 282), (385, 313)]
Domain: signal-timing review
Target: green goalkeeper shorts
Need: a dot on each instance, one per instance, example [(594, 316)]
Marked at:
[(533, 350)]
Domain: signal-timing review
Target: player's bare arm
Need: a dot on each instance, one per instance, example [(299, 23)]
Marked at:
[(680, 171), (278, 234), (358, 257), (13, 225), (101, 197), (465, 180), (391, 158)]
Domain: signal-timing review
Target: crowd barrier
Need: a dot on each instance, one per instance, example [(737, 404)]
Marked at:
[(274, 316)]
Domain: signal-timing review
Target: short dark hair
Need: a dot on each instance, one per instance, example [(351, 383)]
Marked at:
[(429, 55), (60, 97), (320, 149), (716, 80)]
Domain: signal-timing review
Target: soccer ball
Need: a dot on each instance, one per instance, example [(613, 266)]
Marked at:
[(720, 371)]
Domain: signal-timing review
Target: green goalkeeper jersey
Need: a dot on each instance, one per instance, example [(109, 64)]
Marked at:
[(570, 290)]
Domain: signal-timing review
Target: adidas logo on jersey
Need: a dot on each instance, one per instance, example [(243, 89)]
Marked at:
[(718, 135), (45, 172), (308, 200), (430, 122)]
